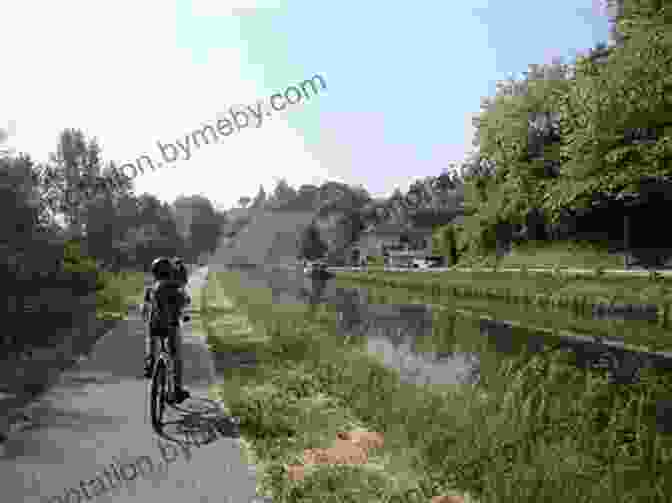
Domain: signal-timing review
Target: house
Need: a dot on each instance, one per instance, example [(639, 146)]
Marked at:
[(391, 240)]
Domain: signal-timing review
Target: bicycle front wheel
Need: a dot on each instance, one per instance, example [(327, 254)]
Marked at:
[(158, 395)]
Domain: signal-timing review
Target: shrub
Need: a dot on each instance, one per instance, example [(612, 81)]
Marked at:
[(81, 270)]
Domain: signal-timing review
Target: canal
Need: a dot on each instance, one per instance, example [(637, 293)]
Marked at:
[(439, 341)]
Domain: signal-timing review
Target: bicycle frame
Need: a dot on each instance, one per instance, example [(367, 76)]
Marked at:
[(166, 358), (162, 385)]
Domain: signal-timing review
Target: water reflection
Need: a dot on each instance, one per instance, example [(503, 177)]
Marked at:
[(440, 346), (397, 334), (430, 345)]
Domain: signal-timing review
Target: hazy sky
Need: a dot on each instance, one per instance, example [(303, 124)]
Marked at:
[(403, 81)]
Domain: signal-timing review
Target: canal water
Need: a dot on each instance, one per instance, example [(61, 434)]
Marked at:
[(432, 340)]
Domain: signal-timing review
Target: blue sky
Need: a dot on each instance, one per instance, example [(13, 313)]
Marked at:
[(403, 82)]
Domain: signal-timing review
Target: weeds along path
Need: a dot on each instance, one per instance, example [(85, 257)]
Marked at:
[(305, 393)]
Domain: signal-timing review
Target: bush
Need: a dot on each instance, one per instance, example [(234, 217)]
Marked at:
[(375, 261), (448, 243), (81, 270)]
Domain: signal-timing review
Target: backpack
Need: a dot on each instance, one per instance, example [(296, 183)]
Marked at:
[(168, 300), (181, 274)]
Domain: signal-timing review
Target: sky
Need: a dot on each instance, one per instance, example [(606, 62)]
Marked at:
[(403, 82)]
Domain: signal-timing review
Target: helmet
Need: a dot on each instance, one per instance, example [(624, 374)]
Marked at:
[(162, 268)]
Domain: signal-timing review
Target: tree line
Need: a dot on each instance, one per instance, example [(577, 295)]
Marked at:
[(79, 198), (430, 200), (71, 225)]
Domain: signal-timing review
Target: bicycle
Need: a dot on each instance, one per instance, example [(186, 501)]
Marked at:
[(162, 386)]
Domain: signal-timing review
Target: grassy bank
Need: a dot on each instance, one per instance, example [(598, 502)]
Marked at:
[(581, 293), (542, 431), (579, 255)]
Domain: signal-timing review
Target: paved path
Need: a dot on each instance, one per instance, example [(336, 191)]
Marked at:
[(94, 423)]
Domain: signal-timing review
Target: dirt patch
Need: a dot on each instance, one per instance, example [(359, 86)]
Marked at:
[(350, 447)]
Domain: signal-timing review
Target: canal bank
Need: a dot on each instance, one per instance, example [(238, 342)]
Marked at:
[(577, 291), (311, 385)]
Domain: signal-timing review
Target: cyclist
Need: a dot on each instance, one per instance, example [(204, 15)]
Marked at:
[(164, 303)]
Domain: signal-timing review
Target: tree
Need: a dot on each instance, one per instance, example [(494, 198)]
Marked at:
[(75, 176), (283, 193), (244, 201), (103, 228), (260, 198), (311, 245), (206, 230), (199, 223), (76, 161), (348, 229), (307, 198)]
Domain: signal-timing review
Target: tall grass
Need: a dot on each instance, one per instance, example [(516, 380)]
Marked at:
[(582, 255)]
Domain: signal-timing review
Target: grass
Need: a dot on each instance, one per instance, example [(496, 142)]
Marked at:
[(580, 255), (581, 292), (121, 291), (539, 430)]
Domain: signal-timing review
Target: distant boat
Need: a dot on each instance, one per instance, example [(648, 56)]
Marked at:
[(317, 270)]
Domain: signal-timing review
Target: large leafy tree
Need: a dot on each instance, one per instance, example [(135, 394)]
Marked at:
[(617, 115), (76, 178), (569, 137), (518, 139)]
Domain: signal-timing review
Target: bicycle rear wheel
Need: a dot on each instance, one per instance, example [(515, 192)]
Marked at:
[(158, 396)]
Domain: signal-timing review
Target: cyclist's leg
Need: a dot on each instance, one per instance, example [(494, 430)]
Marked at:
[(175, 341), (151, 346)]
